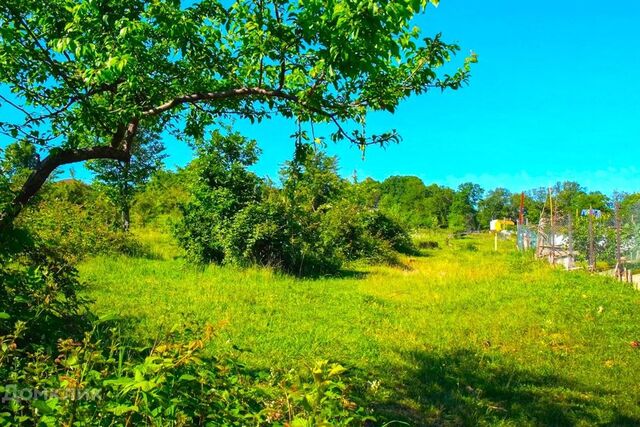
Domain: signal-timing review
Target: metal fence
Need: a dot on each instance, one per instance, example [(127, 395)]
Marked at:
[(605, 242)]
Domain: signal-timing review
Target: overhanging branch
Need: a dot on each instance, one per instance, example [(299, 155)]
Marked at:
[(44, 169)]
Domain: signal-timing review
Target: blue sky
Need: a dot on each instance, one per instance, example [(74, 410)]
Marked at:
[(555, 96)]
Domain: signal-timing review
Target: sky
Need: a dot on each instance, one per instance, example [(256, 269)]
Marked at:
[(555, 96)]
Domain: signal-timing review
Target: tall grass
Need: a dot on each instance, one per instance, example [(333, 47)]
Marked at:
[(458, 335)]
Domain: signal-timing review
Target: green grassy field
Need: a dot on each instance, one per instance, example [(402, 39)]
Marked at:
[(459, 335)]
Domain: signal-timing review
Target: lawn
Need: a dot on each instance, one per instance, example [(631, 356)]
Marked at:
[(460, 335)]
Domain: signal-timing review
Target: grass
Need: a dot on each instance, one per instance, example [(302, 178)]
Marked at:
[(461, 335)]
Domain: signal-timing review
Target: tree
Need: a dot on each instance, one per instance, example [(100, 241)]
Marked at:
[(84, 75), (404, 197), (439, 203), (122, 180), (571, 197), (496, 205), (464, 209)]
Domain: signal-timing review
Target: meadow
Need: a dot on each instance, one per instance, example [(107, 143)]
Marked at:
[(457, 335)]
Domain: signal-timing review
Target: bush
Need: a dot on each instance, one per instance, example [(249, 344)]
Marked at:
[(309, 227), (78, 221), (356, 232), (102, 380), (428, 244), (38, 292)]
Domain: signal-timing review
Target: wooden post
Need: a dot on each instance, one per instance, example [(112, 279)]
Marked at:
[(592, 257), (552, 236), (495, 241), (570, 265), (619, 266)]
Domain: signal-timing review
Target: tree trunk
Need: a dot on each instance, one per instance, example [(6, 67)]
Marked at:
[(45, 168), (126, 217)]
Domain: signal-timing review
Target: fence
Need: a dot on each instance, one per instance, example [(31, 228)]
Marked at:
[(605, 242)]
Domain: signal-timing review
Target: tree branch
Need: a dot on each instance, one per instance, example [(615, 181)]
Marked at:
[(44, 169), (214, 96)]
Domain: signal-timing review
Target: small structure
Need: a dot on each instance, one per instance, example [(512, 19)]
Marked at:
[(498, 225), (597, 213), (557, 254)]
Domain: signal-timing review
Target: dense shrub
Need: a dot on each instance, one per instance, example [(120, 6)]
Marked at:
[(267, 233), (310, 226), (77, 220), (101, 381), (38, 292)]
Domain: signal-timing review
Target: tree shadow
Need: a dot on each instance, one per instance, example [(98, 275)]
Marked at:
[(350, 274), (465, 388)]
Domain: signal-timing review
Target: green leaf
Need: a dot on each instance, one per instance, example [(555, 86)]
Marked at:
[(123, 409), (337, 370)]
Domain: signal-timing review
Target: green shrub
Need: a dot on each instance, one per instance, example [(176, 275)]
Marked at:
[(78, 221), (38, 292), (101, 380), (427, 244), (309, 227)]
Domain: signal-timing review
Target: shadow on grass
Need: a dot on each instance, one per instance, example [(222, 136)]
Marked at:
[(463, 388), (350, 274)]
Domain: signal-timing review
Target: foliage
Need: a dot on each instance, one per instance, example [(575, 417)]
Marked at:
[(604, 238), (84, 74), (38, 293), (59, 365), (122, 180), (158, 202), (322, 402), (408, 200), (77, 221), (17, 158), (497, 204), (220, 186), (309, 227), (570, 197), (464, 209), (102, 380)]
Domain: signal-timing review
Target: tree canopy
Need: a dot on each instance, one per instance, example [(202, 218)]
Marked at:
[(84, 74)]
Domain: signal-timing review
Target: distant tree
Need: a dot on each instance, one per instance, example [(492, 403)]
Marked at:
[(369, 191), (464, 209), (534, 201), (121, 180), (404, 197), (161, 197), (571, 197), (408, 200), (438, 203), (497, 204), (630, 207)]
